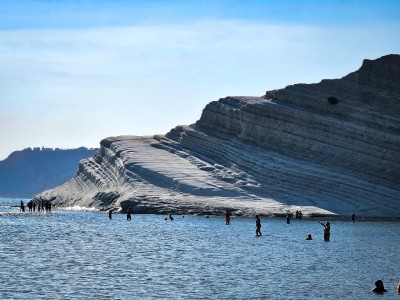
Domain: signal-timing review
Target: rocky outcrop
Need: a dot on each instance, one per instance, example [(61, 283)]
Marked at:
[(326, 148)]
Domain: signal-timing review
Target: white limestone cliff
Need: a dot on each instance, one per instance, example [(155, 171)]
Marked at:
[(326, 148)]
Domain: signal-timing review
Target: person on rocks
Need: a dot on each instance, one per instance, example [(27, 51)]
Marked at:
[(34, 206), (327, 231), (258, 226), (379, 288)]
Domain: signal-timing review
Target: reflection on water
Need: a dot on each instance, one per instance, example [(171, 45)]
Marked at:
[(78, 255)]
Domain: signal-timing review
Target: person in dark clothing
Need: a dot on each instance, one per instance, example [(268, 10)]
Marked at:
[(227, 217), (29, 205), (288, 219), (379, 288), (128, 214), (353, 217), (22, 206), (327, 231), (258, 226)]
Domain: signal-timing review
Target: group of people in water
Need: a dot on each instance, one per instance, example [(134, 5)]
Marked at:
[(33, 206)]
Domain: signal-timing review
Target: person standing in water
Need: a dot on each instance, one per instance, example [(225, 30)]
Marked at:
[(258, 226), (353, 217), (22, 206), (288, 219), (227, 217), (110, 214), (327, 231), (128, 214)]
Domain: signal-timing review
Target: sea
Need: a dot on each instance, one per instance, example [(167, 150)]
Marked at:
[(69, 254)]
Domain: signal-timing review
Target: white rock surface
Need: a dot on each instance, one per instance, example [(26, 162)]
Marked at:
[(289, 150)]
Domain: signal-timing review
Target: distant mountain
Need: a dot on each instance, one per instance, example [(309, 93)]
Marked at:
[(31, 171), (327, 148)]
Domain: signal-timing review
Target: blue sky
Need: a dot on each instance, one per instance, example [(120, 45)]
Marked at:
[(74, 72)]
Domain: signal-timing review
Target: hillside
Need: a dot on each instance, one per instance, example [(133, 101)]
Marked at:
[(326, 148), (30, 171)]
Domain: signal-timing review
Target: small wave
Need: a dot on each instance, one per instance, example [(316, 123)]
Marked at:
[(79, 208)]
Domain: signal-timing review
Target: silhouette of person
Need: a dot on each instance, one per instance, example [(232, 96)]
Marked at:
[(34, 206), (170, 217), (110, 214), (327, 231), (353, 217), (379, 288), (309, 237), (297, 214), (258, 226), (288, 219), (128, 214), (22, 206), (227, 217), (29, 205)]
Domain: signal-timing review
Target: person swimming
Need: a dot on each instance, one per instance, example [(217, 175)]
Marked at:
[(379, 288), (170, 218), (309, 237)]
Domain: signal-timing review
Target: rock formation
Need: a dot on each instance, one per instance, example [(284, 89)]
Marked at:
[(326, 148)]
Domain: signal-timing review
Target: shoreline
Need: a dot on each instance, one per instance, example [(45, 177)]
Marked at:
[(313, 217)]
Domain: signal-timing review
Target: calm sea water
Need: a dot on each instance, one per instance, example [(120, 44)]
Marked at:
[(84, 255)]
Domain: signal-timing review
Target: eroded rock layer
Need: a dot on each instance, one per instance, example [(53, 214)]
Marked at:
[(326, 148)]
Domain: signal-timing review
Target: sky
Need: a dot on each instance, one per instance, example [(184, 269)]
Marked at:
[(75, 72)]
